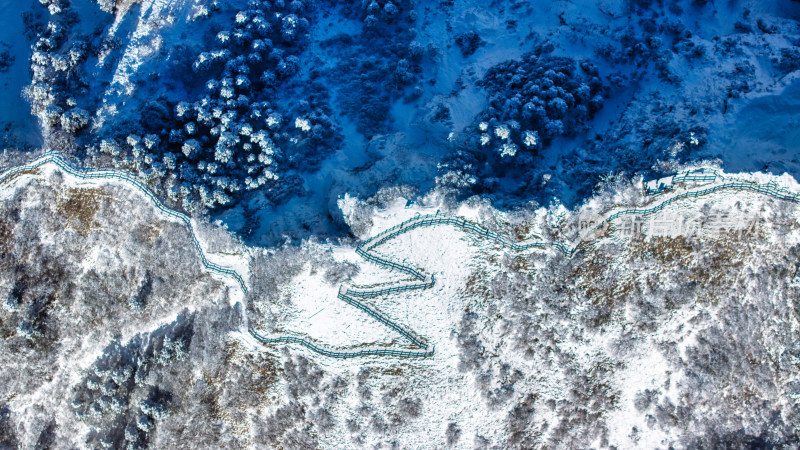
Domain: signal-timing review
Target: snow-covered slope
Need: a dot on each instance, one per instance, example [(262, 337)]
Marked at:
[(618, 345), (673, 326)]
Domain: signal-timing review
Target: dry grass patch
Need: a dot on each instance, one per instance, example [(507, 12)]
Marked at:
[(476, 285), (522, 231), (6, 232), (396, 372), (713, 263), (80, 206), (21, 173), (665, 250), (594, 277)]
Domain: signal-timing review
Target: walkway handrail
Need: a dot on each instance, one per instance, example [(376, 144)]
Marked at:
[(78, 172), (348, 293)]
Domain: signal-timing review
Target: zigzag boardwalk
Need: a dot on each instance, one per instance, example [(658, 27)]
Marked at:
[(352, 294), (347, 294)]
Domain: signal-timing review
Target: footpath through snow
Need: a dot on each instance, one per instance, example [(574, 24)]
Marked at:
[(688, 184)]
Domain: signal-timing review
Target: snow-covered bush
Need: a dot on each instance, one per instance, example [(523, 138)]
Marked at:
[(471, 351), (139, 301), (74, 120), (231, 138), (377, 66), (117, 397), (57, 73), (377, 14), (788, 61), (452, 434), (6, 57), (536, 99), (341, 272), (468, 42), (107, 5)]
